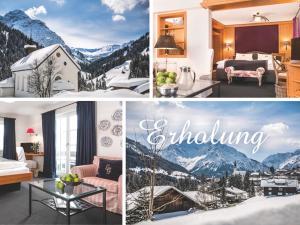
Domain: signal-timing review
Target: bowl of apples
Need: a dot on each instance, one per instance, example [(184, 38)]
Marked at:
[(71, 179), (166, 83)]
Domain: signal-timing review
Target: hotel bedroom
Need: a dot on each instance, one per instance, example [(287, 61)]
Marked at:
[(41, 143), (250, 39), (241, 48)]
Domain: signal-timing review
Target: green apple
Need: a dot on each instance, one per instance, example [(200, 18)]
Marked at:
[(60, 185), (161, 79), (76, 180), (76, 175), (69, 179), (169, 81), (160, 74), (172, 75)]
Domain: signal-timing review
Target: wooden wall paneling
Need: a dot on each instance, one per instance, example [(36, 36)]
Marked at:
[(218, 29), (229, 37), (285, 34), (236, 4)]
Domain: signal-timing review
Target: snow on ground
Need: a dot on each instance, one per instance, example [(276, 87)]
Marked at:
[(189, 163), (120, 93), (120, 72), (128, 83), (145, 52), (283, 210), (157, 171), (7, 83)]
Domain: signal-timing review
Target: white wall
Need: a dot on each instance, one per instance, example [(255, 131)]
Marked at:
[(199, 38), (105, 110), (22, 123)]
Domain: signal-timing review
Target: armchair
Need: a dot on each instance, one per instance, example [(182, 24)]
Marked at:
[(114, 188)]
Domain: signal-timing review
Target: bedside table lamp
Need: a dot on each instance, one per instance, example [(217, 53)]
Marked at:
[(166, 42)]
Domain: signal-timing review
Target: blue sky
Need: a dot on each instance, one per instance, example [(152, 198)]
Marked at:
[(88, 23), (278, 120)]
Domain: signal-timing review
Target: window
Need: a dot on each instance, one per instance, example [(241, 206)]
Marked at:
[(58, 54), (279, 193), (57, 78), (270, 189), (280, 189), (270, 193), (50, 62), (65, 63), (1, 136), (66, 141)]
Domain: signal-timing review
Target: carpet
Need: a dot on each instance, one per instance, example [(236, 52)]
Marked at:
[(242, 89), (14, 210)]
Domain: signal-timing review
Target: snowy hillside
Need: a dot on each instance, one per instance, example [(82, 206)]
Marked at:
[(11, 49), (288, 160), (39, 31), (209, 159), (91, 55), (257, 210), (134, 151), (43, 35)]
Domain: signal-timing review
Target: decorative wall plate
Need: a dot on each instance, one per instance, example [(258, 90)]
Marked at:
[(106, 141), (117, 116), (117, 130), (104, 125)]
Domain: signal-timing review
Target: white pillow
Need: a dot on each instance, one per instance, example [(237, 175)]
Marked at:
[(264, 57), (240, 56)]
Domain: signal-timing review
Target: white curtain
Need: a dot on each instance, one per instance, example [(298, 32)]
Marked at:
[(1, 135)]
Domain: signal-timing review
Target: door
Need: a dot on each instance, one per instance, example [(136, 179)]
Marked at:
[(66, 141)]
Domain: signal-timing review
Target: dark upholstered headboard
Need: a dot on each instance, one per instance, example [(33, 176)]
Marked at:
[(257, 38)]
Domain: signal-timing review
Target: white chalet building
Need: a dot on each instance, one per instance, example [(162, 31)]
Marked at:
[(67, 78)]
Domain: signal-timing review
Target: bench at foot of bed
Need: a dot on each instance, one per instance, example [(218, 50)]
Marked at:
[(258, 74)]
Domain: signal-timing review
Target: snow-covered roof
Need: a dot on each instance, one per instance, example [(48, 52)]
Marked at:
[(237, 172), (142, 88), (7, 83), (254, 174), (37, 57), (235, 191), (203, 197), (120, 93), (60, 85), (127, 83), (157, 191), (279, 183)]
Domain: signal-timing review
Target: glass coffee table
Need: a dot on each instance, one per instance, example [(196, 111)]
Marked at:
[(199, 87), (71, 197)]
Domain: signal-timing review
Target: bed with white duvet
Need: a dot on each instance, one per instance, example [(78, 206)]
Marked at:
[(10, 167)]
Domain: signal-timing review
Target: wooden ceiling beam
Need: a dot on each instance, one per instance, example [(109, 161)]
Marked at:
[(215, 5)]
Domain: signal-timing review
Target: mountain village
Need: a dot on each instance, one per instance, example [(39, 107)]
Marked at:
[(167, 196)]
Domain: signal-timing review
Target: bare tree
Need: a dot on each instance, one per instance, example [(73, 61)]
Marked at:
[(155, 150), (150, 161), (41, 81)]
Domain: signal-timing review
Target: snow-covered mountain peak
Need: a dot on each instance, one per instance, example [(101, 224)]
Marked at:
[(210, 159), (36, 29)]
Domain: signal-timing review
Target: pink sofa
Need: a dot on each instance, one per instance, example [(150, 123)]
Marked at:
[(114, 188)]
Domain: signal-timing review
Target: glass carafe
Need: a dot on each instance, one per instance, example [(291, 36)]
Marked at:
[(186, 78)]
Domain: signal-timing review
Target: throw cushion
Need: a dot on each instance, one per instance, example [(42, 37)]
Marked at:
[(110, 169), (240, 56)]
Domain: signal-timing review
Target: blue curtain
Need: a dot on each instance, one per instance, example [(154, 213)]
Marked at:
[(86, 132), (9, 144), (48, 123)]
